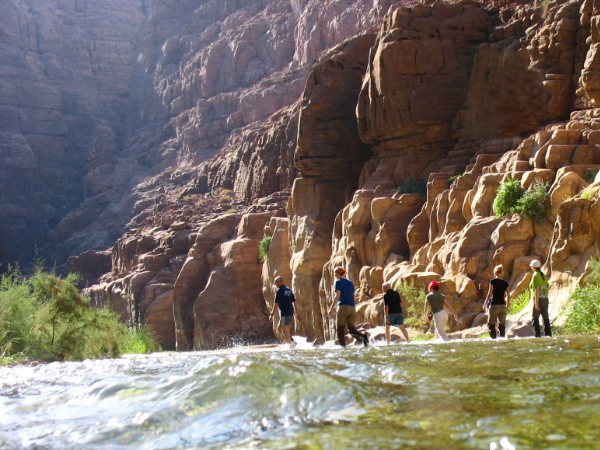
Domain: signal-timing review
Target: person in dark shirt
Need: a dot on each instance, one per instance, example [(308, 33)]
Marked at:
[(393, 312), (346, 314), (284, 300), (496, 304)]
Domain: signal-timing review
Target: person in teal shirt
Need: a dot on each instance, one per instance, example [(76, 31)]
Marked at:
[(539, 292)]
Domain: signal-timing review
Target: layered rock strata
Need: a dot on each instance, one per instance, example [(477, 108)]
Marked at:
[(485, 92), (456, 237)]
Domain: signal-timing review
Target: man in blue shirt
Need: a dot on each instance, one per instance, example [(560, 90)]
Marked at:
[(284, 299), (346, 315)]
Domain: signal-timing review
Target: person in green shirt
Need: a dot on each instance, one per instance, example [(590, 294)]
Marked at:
[(539, 293)]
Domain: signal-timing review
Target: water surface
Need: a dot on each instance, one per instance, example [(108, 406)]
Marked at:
[(533, 394)]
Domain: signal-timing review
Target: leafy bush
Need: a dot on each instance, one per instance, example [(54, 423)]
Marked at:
[(520, 302), (415, 186), (225, 199), (415, 298), (46, 318), (138, 340), (590, 176), (535, 203), (231, 211), (508, 194), (583, 309), (263, 248)]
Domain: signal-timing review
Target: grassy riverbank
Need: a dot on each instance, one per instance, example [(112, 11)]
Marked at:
[(45, 318)]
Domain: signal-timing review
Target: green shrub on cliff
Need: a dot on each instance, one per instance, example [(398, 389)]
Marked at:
[(44, 317), (415, 186), (583, 309), (508, 194), (415, 299), (263, 248), (535, 203)]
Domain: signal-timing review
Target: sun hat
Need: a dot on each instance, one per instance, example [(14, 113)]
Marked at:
[(535, 263), (340, 270)]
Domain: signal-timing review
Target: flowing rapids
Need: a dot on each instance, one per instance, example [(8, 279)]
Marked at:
[(523, 394)]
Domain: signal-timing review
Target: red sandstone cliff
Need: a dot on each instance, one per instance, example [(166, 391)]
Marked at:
[(298, 120)]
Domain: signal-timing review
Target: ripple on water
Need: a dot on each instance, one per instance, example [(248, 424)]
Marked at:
[(532, 393)]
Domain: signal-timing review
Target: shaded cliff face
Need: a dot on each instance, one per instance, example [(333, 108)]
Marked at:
[(64, 74), (221, 79), (109, 107)]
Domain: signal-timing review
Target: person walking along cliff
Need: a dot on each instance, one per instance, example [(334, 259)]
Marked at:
[(393, 312), (346, 313), (497, 306), (437, 301), (539, 293), (284, 299)]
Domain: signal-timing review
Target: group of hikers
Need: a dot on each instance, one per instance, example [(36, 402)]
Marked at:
[(495, 305)]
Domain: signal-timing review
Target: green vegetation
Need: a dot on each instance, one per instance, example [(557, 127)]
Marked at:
[(225, 199), (583, 309), (453, 178), (138, 340), (231, 211), (415, 299), (535, 203), (507, 195), (413, 187), (263, 248), (590, 176), (589, 193), (520, 302), (423, 337), (44, 317)]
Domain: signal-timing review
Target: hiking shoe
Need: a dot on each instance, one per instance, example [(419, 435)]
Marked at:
[(365, 340)]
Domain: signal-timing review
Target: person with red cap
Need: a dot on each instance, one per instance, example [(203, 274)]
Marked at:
[(437, 301), (346, 313)]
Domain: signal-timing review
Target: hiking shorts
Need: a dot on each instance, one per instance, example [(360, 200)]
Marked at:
[(395, 319), (284, 321)]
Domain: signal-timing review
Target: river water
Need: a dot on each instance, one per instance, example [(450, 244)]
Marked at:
[(480, 394)]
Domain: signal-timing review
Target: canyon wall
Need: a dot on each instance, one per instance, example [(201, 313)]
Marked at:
[(531, 71), (309, 122)]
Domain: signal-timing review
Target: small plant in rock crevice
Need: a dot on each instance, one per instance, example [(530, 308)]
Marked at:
[(590, 176), (263, 248), (590, 193), (415, 186), (507, 195), (532, 204), (535, 203), (453, 178)]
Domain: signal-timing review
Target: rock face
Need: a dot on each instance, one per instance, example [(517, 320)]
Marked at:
[(326, 177), (101, 96), (224, 122), (64, 71), (436, 108)]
